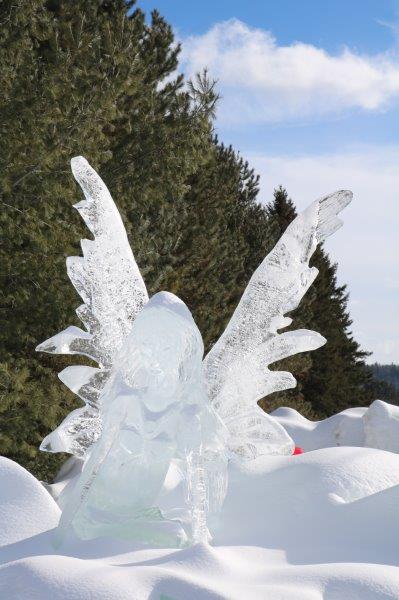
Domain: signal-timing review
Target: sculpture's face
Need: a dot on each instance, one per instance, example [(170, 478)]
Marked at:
[(162, 356)]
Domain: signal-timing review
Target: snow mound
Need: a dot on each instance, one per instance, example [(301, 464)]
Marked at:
[(381, 426), (373, 427), (330, 505), (343, 429), (26, 509), (318, 526)]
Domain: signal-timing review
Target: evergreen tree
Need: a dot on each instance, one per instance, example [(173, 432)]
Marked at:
[(339, 377), (80, 78), (387, 373), (213, 257), (381, 385), (84, 78)]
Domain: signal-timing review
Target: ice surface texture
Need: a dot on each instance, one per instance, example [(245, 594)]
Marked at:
[(155, 408), (236, 368), (110, 284), (151, 399)]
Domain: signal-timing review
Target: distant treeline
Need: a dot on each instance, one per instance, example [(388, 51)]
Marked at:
[(387, 373)]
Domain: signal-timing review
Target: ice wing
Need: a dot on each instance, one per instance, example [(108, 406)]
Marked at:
[(110, 284), (236, 368)]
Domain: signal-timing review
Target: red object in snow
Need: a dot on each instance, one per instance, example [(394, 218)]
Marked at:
[(297, 450)]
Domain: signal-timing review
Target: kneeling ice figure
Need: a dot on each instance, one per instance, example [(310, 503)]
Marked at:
[(150, 401), (155, 409)]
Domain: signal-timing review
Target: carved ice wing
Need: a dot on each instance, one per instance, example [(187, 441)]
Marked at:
[(110, 284), (236, 368), (106, 277)]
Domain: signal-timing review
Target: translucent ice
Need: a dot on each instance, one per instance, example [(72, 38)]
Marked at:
[(110, 284), (236, 368), (155, 408), (151, 399)]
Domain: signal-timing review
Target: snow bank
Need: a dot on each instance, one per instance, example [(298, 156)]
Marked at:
[(26, 509), (373, 427), (343, 429), (381, 426), (330, 505), (322, 525)]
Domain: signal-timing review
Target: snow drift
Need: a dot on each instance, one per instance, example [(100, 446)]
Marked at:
[(373, 427), (321, 525)]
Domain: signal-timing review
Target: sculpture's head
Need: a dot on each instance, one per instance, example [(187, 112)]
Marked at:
[(162, 356)]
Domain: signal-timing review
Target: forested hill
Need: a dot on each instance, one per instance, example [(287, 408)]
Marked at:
[(388, 373)]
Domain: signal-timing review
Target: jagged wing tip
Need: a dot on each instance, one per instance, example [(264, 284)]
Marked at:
[(329, 207), (76, 161)]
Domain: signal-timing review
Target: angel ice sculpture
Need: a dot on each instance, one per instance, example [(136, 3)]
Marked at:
[(151, 400)]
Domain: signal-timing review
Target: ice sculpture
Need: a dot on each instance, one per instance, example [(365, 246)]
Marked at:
[(155, 409), (151, 401)]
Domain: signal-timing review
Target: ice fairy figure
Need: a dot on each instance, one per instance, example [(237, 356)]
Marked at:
[(152, 399), (155, 409)]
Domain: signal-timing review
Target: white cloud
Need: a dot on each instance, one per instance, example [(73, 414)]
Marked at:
[(261, 81), (367, 247)]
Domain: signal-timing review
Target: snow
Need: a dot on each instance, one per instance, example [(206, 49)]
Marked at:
[(343, 429), (373, 427), (321, 525), (381, 426), (26, 509)]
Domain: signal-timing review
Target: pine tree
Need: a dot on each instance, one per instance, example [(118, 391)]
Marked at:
[(339, 377), (80, 78), (387, 373), (383, 383), (222, 233), (83, 78)]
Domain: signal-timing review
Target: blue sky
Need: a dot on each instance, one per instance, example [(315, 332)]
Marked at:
[(310, 96)]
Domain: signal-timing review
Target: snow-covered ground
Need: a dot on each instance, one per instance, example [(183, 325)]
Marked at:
[(374, 427), (321, 525)]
